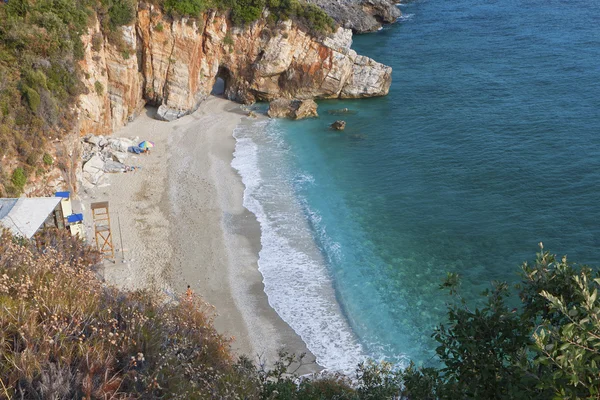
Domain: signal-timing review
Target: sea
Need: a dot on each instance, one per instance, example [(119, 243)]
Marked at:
[(487, 144)]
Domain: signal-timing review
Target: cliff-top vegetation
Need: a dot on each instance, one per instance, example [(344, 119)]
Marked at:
[(40, 77)]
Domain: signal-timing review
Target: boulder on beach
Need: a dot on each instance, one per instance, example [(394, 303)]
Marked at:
[(111, 166), (119, 156), (165, 113), (339, 125), (293, 109), (95, 140), (93, 169), (120, 144)]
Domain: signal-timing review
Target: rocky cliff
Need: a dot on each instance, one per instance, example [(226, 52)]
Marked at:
[(174, 64), (361, 15)]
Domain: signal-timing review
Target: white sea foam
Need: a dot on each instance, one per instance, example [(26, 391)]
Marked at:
[(405, 17), (294, 271)]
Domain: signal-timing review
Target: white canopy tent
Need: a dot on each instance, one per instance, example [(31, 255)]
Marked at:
[(24, 216)]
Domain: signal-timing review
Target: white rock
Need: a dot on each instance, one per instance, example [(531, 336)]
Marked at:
[(93, 169), (119, 156), (95, 140), (120, 144)]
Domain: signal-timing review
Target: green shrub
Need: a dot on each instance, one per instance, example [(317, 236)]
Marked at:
[(159, 27), (19, 179), (246, 11), (99, 88), (33, 158), (308, 15), (185, 8), (35, 79), (33, 98), (97, 41), (121, 12), (228, 39), (47, 159)]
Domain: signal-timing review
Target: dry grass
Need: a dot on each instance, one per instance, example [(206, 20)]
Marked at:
[(63, 334)]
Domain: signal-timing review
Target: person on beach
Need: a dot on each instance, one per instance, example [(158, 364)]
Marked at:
[(188, 293)]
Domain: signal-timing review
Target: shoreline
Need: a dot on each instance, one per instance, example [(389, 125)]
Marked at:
[(183, 223)]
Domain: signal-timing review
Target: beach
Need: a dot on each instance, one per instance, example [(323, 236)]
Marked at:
[(178, 220)]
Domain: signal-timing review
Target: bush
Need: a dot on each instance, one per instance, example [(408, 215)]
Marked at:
[(19, 179), (246, 11), (66, 335), (97, 41), (308, 15), (228, 39), (48, 160), (99, 88), (33, 98), (121, 12), (185, 8), (159, 27)]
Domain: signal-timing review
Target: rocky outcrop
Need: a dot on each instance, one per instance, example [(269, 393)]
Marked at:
[(173, 64), (361, 15), (293, 109), (339, 125)]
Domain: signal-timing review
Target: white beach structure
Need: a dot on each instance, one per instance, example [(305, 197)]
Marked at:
[(25, 216)]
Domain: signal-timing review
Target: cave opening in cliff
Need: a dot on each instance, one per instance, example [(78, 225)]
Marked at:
[(221, 82), (219, 87)]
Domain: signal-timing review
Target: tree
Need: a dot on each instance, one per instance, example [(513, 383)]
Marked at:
[(548, 348), (567, 340)]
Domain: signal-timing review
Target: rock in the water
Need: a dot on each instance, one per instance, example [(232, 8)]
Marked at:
[(293, 109), (342, 111), (339, 125)]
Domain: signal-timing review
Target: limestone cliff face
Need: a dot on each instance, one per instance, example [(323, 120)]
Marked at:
[(174, 65)]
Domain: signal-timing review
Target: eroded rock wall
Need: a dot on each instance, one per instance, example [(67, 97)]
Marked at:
[(174, 64)]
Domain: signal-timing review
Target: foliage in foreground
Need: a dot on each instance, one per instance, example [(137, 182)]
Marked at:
[(548, 348), (64, 334)]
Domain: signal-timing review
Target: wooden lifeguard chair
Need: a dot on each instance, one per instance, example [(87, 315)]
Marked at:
[(102, 232)]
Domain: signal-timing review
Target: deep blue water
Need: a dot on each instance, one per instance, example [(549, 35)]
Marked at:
[(488, 143)]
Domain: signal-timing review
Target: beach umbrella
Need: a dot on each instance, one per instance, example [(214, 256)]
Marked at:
[(146, 144)]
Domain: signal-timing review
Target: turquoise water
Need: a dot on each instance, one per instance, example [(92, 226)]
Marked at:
[(488, 143)]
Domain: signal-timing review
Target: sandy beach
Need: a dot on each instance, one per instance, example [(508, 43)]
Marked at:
[(181, 222)]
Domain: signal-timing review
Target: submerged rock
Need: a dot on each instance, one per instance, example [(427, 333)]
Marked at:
[(342, 111), (339, 125), (293, 109)]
